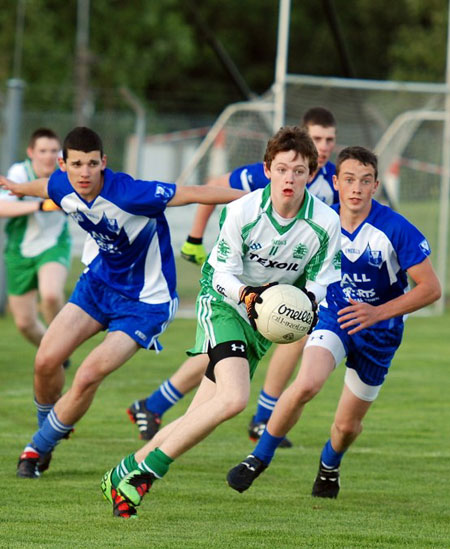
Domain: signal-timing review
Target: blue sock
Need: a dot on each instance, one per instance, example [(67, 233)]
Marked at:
[(50, 433), (163, 398), (265, 449), (266, 404), (329, 457), (42, 412)]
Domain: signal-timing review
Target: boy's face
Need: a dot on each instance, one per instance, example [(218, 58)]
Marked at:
[(356, 184), (43, 155), (84, 171), (324, 140), (289, 174)]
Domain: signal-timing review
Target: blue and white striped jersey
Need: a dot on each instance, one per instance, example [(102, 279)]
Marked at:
[(252, 177), (375, 258), (126, 220)]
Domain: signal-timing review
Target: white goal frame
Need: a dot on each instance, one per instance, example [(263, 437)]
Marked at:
[(394, 140)]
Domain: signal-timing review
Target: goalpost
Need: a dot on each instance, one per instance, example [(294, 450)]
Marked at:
[(402, 122)]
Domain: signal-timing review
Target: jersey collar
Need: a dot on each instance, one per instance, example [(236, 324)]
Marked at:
[(31, 174), (374, 209), (306, 210)]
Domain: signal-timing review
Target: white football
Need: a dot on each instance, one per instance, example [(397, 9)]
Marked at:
[(285, 314)]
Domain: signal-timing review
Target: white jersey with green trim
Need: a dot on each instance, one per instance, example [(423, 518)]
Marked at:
[(256, 246), (30, 235)]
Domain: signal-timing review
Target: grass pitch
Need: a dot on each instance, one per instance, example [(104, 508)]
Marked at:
[(395, 490)]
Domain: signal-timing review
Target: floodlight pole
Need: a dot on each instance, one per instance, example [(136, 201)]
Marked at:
[(442, 252), (83, 100), (279, 86)]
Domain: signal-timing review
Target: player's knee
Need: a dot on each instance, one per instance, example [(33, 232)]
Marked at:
[(51, 300), (87, 379), (26, 325), (46, 363), (348, 429), (233, 405), (305, 391)]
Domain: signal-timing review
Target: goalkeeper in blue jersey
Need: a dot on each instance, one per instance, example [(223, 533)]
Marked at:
[(128, 287), (361, 320)]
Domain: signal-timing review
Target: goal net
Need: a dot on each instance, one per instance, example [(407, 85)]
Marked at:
[(402, 122)]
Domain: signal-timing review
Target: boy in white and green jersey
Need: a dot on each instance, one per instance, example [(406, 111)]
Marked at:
[(274, 249), (37, 253), (280, 234)]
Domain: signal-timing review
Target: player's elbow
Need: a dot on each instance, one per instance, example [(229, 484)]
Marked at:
[(437, 293), (434, 291)]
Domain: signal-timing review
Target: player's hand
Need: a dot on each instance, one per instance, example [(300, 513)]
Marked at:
[(48, 205), (10, 186), (358, 314), (250, 295), (312, 298), (195, 253)]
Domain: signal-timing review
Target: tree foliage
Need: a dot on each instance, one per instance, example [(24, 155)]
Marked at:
[(155, 49)]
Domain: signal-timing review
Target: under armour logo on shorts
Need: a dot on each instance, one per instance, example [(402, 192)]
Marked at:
[(235, 348)]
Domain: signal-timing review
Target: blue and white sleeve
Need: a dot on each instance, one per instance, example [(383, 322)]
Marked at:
[(410, 244)]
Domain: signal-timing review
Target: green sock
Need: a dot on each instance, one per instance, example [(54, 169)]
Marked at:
[(127, 465), (157, 462)]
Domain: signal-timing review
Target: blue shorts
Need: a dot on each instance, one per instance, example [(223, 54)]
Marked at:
[(369, 352), (143, 322)]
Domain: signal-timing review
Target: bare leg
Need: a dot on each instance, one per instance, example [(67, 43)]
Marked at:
[(190, 373), (317, 365), (52, 278), (114, 351), (347, 425), (282, 365), (24, 310), (58, 343), (204, 393), (212, 404), (346, 428), (148, 412)]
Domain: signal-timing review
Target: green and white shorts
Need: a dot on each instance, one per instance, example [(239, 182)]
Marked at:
[(22, 272), (219, 323)]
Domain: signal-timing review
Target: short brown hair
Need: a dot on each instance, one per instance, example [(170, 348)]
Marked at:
[(292, 138), (42, 132), (361, 154), (318, 116), (82, 139)]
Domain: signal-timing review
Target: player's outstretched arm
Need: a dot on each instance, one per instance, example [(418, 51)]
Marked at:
[(9, 208), (193, 249), (204, 195), (204, 211), (38, 187), (17, 208), (427, 289)]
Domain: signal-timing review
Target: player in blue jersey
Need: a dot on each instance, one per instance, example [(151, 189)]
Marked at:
[(128, 287), (321, 126), (361, 319)]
